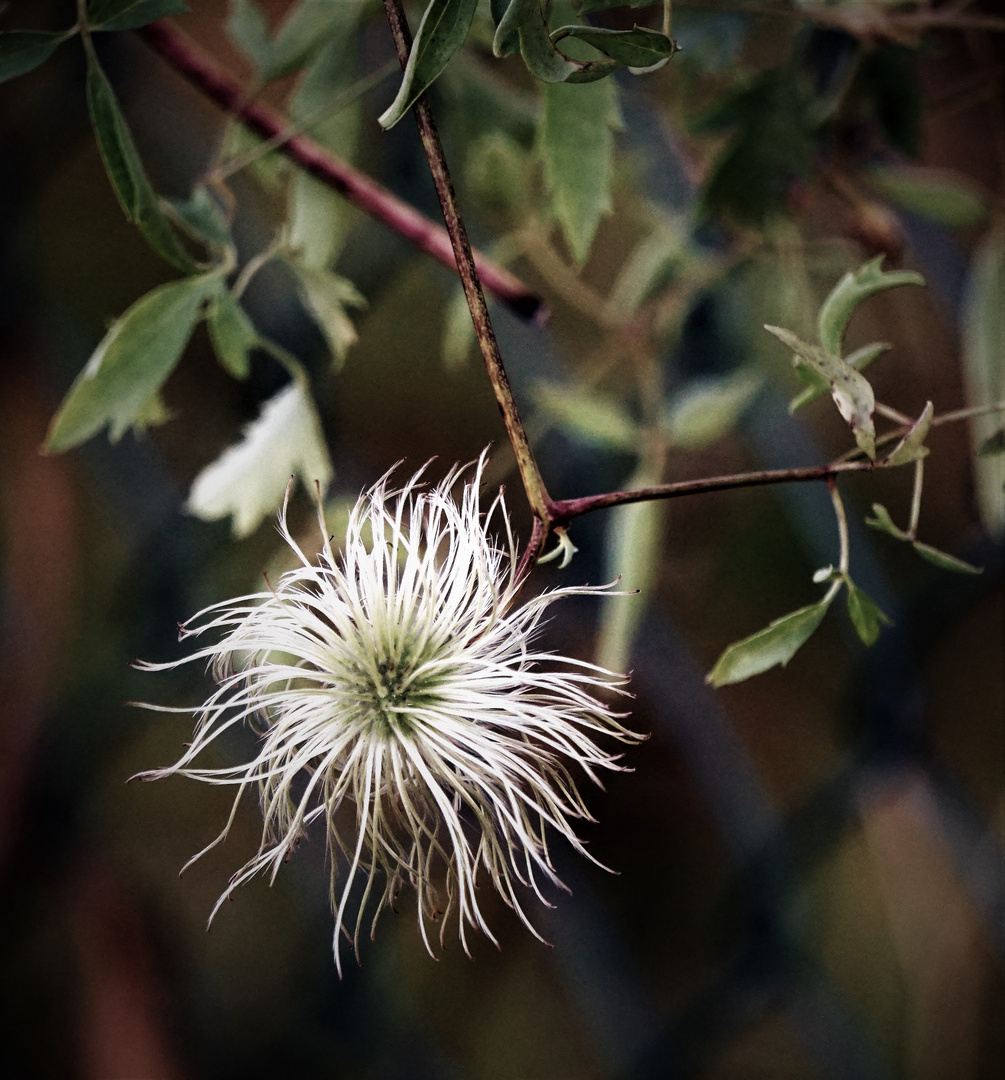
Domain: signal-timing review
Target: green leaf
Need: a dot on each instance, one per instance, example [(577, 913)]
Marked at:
[(944, 561), (776, 644), (130, 14), (526, 21), (912, 445), (315, 221), (270, 169), (202, 217), (866, 616), (309, 27), (888, 79), (327, 296), (983, 365), (882, 522), (604, 5), (653, 262), (851, 391), (131, 364), (152, 413), (940, 195), (705, 410), (441, 33), (249, 30), (331, 73), (993, 444), (817, 385), (458, 332), (507, 36), (773, 145), (633, 545), (125, 170), (500, 170), (576, 143), (853, 288), (317, 216), (249, 479), (232, 333), (22, 51), (636, 48), (592, 419)]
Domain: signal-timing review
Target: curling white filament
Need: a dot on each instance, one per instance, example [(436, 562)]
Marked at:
[(400, 675)]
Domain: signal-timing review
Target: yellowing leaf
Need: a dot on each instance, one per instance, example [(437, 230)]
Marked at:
[(249, 479), (912, 445), (851, 391), (817, 385)]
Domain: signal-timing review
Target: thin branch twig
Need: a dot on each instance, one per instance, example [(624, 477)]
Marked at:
[(564, 510), (533, 483), (175, 47)]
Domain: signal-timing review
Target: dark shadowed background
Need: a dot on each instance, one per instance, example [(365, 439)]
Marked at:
[(809, 866)]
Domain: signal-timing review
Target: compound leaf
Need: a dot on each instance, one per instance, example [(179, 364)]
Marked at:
[(131, 364), (249, 478)]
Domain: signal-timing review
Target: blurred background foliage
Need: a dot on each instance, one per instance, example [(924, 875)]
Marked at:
[(810, 873)]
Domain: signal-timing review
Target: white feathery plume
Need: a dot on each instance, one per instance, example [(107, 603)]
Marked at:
[(400, 676)]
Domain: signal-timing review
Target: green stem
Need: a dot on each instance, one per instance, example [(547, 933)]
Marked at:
[(919, 481), (842, 524), (362, 86)]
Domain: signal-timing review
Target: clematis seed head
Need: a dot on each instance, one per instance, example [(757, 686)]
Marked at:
[(399, 696)]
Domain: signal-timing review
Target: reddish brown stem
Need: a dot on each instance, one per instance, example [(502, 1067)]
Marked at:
[(178, 49), (564, 510)]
